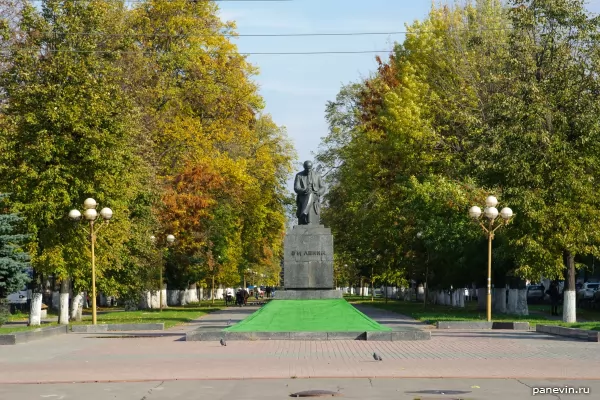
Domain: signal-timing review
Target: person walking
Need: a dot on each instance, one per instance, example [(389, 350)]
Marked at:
[(554, 297)]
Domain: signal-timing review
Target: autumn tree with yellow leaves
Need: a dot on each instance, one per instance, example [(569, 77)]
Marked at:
[(151, 109)]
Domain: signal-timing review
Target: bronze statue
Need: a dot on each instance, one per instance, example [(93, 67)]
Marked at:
[(309, 189)]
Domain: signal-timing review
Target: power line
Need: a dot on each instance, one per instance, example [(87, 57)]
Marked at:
[(308, 34)]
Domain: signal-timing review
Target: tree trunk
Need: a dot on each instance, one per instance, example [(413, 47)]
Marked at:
[(63, 315), (77, 306), (481, 299), (500, 300), (173, 297), (569, 304), (35, 312), (522, 309), (513, 300), (163, 299), (55, 303)]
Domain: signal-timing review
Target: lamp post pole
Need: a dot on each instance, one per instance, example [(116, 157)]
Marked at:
[(213, 282), (489, 274), (93, 242), (426, 287), (372, 285), (170, 239), (491, 213), (91, 215)]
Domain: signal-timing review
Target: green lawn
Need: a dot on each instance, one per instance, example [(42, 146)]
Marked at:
[(12, 329), (431, 314), (171, 316)]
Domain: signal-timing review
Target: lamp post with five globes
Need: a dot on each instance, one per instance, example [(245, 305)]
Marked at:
[(91, 215), (170, 240), (491, 213)]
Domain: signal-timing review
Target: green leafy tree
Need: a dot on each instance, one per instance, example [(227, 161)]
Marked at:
[(69, 131), (542, 141)]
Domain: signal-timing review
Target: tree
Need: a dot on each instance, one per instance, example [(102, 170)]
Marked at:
[(131, 106), (69, 131), (14, 261), (546, 115), (222, 164)]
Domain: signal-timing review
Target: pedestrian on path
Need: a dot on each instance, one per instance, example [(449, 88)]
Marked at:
[(554, 297)]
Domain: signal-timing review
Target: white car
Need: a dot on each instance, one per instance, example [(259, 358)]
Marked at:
[(587, 291), (18, 297)]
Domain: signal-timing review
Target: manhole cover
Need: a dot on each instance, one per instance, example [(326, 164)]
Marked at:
[(437, 398), (316, 393), (444, 392)]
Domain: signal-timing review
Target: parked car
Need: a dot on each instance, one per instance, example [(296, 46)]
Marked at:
[(536, 293), (587, 291)]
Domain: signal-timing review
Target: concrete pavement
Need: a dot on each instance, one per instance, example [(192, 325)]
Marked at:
[(449, 354), (372, 389)]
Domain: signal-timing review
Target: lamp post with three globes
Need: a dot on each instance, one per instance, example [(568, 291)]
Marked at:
[(91, 215), (491, 213), (170, 239)]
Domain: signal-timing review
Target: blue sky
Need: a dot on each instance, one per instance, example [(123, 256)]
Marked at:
[(297, 87)]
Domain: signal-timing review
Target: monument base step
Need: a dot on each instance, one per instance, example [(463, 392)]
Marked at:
[(308, 294), (393, 336)]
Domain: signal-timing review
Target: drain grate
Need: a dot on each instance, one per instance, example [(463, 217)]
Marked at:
[(316, 393)]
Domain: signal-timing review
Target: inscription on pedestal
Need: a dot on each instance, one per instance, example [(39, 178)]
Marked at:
[(308, 259)]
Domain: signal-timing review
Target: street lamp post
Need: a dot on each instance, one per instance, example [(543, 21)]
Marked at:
[(426, 288), (213, 282), (91, 215), (170, 239), (491, 213), (346, 272)]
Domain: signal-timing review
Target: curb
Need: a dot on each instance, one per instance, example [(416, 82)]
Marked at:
[(479, 325), (390, 336), (574, 333), (117, 327), (36, 334)]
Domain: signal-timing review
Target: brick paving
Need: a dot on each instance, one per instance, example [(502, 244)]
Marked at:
[(449, 354)]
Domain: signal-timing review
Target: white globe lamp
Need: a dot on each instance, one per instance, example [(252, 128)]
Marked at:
[(491, 213), (474, 212)]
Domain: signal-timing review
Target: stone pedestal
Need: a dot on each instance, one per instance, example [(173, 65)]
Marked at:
[(308, 264), (319, 294)]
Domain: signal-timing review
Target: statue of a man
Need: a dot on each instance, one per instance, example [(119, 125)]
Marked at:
[(309, 189)]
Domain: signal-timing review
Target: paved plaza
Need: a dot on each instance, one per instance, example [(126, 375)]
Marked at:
[(115, 358), (457, 354)]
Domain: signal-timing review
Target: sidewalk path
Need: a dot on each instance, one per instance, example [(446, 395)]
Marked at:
[(218, 319), (397, 322)]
